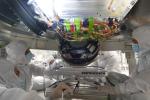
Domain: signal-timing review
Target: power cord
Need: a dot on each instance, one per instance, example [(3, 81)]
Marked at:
[(76, 87)]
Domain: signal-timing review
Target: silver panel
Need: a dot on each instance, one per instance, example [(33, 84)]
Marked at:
[(85, 8)]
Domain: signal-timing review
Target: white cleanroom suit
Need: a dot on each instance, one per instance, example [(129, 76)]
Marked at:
[(8, 84), (138, 86), (16, 73)]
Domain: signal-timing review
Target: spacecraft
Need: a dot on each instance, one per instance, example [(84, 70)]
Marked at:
[(79, 26)]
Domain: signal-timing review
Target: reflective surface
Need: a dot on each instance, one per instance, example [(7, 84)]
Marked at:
[(95, 8)]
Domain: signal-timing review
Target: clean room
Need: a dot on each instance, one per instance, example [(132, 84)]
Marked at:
[(74, 50)]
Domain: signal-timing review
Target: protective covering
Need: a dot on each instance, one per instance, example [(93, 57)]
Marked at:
[(16, 52), (16, 55), (138, 87), (142, 35), (19, 71), (44, 59), (116, 78), (7, 75), (18, 94), (112, 61), (40, 82), (9, 83)]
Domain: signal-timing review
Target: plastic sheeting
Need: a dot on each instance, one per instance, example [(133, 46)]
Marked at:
[(112, 61), (142, 35), (42, 58), (18, 94), (40, 83)]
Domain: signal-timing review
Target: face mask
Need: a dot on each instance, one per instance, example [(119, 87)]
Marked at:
[(29, 56), (135, 47)]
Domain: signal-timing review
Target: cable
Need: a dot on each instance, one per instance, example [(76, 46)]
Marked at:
[(62, 96), (76, 87)]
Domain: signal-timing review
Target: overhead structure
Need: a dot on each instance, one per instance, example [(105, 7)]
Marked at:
[(79, 25), (85, 8), (79, 20)]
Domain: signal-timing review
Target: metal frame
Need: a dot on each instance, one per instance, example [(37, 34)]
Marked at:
[(122, 42)]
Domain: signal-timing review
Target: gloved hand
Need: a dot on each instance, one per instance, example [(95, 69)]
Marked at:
[(61, 88), (56, 64)]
